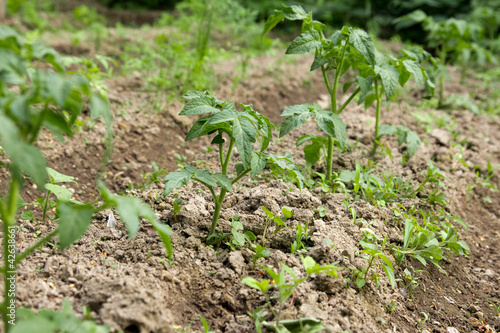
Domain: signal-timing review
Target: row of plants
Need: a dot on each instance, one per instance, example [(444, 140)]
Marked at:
[(348, 59), (37, 93), (344, 53)]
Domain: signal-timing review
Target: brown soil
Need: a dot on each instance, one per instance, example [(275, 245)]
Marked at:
[(129, 285)]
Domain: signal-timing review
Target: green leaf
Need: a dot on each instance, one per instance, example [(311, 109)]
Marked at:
[(368, 245), (390, 275), (390, 79), (223, 181), (203, 176), (99, 107), (165, 234), (305, 42), (364, 44), (176, 180), (365, 83), (408, 20), (59, 177), (197, 106), (294, 13), (191, 94), (360, 282), (272, 21), (294, 121), (319, 60), (258, 163), (408, 232), (412, 143), (300, 109), (73, 222), (223, 116), (332, 125), (312, 153), (62, 193), (414, 68), (386, 129), (263, 285), (244, 135), (23, 156)]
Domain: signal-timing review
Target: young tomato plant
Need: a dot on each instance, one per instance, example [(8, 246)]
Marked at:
[(452, 39), (386, 75), (346, 48), (241, 129), (32, 99), (286, 281)]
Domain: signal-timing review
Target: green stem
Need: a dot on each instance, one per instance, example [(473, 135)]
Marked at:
[(218, 201), (218, 206), (325, 78), (10, 266), (333, 97), (368, 268), (241, 175), (442, 57), (45, 204), (377, 116), (348, 100)]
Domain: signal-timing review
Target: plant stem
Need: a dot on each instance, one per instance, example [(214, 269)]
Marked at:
[(377, 116), (348, 100), (368, 268), (10, 266), (442, 57), (218, 201), (333, 98), (45, 204)]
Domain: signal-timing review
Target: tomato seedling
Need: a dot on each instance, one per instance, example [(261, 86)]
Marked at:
[(242, 129)]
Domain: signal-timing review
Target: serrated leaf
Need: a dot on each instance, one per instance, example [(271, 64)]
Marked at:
[(223, 181), (386, 129), (364, 44), (73, 222), (176, 180), (305, 42), (332, 124), (300, 108), (412, 143), (223, 116), (23, 156), (312, 153), (258, 163), (197, 106), (294, 121), (203, 176), (365, 83), (244, 135), (319, 60), (294, 12), (191, 94), (62, 193), (414, 68), (390, 79)]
